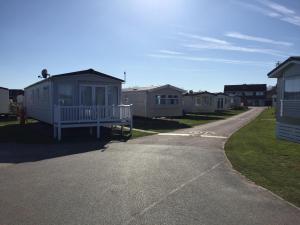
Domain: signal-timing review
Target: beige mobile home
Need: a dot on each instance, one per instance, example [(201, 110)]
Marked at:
[(222, 101), (79, 99), (288, 99), (199, 102), (4, 100), (235, 101), (154, 101)]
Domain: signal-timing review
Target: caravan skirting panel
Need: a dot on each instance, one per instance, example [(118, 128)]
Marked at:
[(288, 132)]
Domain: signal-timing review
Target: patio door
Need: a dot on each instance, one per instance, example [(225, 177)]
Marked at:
[(103, 97), (86, 95), (98, 95), (112, 95)]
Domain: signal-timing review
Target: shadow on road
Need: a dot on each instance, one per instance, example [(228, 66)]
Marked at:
[(34, 142), (157, 124), (20, 153)]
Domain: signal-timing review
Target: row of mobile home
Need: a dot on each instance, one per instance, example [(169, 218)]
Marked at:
[(168, 100), (154, 101), (198, 102), (90, 98)]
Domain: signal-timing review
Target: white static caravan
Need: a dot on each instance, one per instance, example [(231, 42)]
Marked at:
[(154, 101), (288, 99), (199, 102), (79, 99), (4, 100), (222, 101), (235, 101)]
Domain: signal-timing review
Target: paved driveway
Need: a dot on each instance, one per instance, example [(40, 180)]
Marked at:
[(162, 179)]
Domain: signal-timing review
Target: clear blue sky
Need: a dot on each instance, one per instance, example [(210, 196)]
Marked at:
[(193, 44)]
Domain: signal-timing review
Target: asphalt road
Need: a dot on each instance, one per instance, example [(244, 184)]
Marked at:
[(162, 179)]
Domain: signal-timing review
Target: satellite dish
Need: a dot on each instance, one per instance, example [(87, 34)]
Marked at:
[(44, 74)]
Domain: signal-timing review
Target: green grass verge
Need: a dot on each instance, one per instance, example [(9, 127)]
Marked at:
[(138, 134), (274, 164), (186, 121)]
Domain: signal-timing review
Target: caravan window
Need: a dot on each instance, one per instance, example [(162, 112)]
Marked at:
[(173, 99), (203, 100), (65, 94), (160, 99), (113, 95), (176, 100), (198, 101), (292, 88), (207, 100), (166, 99)]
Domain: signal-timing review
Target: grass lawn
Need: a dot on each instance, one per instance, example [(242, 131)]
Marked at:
[(274, 164), (137, 134), (35, 132), (186, 121)]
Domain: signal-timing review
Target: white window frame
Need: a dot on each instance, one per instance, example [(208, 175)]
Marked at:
[(58, 94), (167, 99), (198, 101), (288, 79), (94, 86), (173, 98), (203, 100)]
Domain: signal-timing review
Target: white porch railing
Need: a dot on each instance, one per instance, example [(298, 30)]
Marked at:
[(91, 114), (290, 108)]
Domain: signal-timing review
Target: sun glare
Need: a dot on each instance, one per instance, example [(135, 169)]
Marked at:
[(164, 8)]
